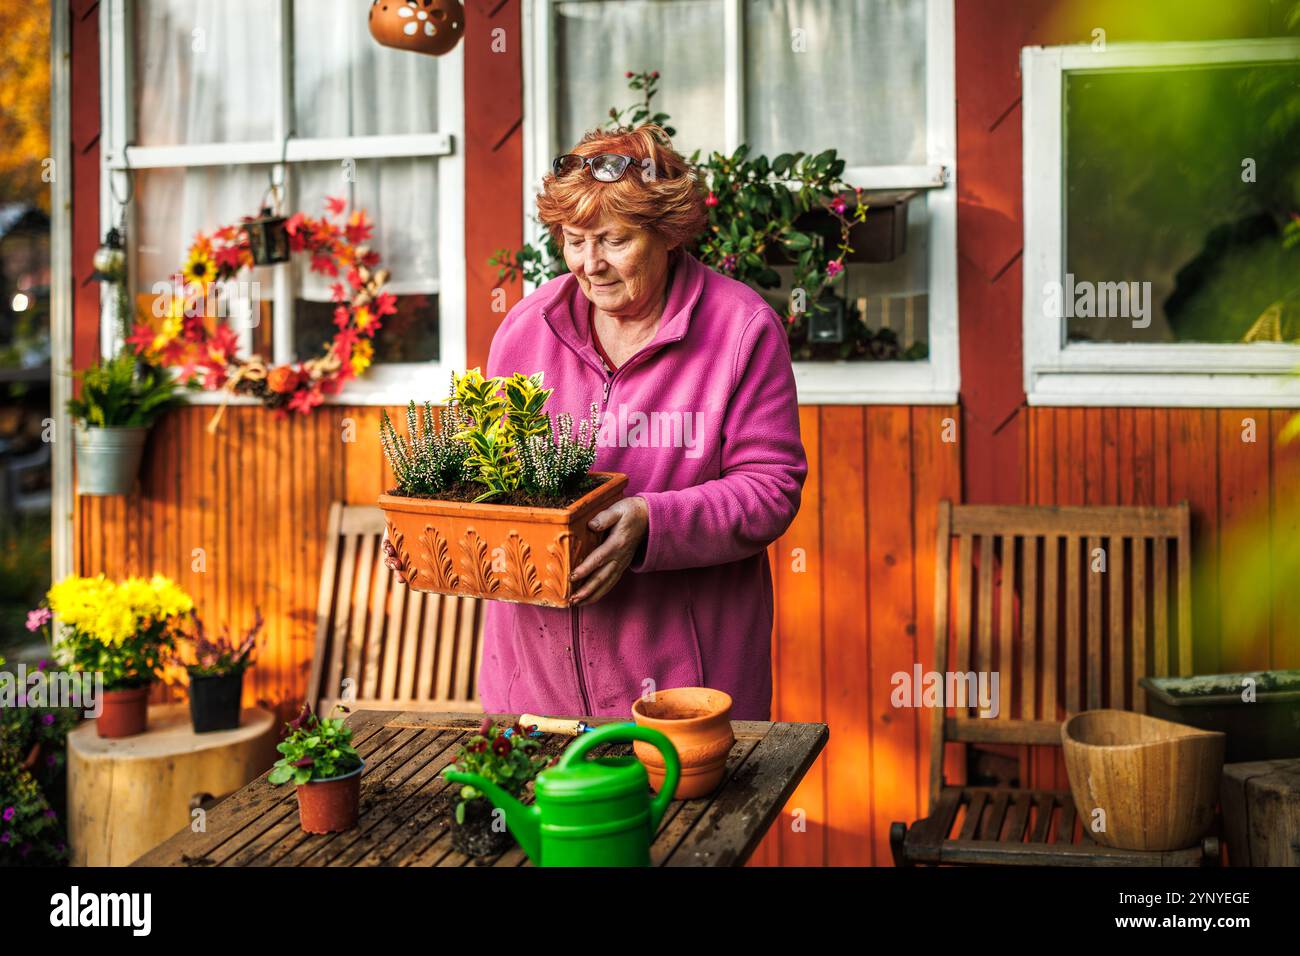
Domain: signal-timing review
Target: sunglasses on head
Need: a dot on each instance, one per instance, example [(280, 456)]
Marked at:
[(607, 167)]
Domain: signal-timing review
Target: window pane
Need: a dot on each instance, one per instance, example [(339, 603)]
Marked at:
[(891, 296), (346, 84), (205, 72), (842, 74), (409, 336), (1181, 181), (598, 41), (399, 196), (173, 205)]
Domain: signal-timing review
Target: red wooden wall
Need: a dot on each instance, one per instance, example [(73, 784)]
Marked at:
[(854, 572)]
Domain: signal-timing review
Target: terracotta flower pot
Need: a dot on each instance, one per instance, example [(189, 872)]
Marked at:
[(330, 805), (125, 713), (698, 722), (498, 552), (421, 26)]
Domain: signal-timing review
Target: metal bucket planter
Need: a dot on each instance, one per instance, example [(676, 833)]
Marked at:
[(108, 459)]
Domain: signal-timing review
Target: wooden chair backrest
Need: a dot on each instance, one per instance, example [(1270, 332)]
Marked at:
[(1069, 605), (403, 649)]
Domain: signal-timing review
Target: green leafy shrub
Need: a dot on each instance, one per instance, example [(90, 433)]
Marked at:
[(121, 393), (315, 749), (507, 757)]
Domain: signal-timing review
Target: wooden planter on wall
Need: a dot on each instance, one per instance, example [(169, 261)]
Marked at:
[(497, 552)]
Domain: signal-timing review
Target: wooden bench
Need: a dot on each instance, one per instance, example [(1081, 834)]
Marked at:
[(1028, 598), (401, 649)]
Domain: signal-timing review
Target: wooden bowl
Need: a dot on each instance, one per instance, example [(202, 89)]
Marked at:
[(1157, 781)]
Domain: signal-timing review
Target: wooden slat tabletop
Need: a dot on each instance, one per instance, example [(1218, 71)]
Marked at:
[(406, 804)]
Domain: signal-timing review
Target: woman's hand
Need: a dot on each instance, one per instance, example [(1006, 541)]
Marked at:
[(627, 522)]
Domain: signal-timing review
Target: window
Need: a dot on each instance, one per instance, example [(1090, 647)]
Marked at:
[(203, 101), (871, 78), (1159, 181)]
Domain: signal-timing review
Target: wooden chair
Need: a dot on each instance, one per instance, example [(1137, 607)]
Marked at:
[(1028, 599), (402, 649)]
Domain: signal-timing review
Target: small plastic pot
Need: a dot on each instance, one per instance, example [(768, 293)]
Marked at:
[(330, 805), (125, 712), (214, 702)]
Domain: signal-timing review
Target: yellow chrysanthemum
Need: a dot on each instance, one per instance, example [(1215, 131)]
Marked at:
[(111, 613)]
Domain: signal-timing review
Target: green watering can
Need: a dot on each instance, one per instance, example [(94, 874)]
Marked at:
[(589, 812)]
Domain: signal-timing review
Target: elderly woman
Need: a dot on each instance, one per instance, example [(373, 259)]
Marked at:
[(690, 371)]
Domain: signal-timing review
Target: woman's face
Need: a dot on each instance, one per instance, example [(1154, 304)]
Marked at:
[(620, 268)]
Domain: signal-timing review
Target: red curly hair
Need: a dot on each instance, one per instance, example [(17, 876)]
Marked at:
[(671, 204)]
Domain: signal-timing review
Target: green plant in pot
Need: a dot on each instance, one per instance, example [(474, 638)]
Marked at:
[(123, 631), (507, 757), (118, 401), (216, 672), (318, 756)]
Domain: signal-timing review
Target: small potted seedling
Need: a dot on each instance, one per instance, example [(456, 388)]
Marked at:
[(507, 757), (494, 501), (217, 675), (319, 758)]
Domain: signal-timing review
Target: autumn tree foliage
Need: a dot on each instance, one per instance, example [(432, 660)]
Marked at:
[(25, 102)]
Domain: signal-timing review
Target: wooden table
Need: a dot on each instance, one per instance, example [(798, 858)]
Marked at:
[(406, 804), (1261, 812), (127, 793)]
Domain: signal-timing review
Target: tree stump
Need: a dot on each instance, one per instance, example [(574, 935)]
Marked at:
[(127, 795), (1261, 812)]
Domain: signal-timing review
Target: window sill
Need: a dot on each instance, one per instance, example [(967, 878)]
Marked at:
[(872, 383), (1164, 389)]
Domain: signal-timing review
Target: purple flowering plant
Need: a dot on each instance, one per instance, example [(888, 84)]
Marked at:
[(315, 748), (219, 657), (507, 757)]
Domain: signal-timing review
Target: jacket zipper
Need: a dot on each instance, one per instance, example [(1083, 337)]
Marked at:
[(575, 616)]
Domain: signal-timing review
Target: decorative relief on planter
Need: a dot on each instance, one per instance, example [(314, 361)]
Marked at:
[(477, 563), (440, 570), (497, 552), (520, 576)]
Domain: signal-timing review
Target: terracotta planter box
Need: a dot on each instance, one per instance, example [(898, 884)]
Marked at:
[(497, 552)]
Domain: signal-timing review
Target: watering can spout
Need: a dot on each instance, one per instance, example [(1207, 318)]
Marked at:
[(524, 821)]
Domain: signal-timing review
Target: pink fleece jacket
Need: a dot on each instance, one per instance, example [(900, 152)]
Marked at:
[(704, 421)]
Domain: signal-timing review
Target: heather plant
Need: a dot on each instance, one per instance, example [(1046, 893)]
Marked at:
[(559, 458), (428, 459)]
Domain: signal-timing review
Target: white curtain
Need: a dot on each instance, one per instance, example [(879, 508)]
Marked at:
[(210, 73), (598, 41), (847, 74)]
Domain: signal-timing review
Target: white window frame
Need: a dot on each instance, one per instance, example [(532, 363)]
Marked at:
[(935, 381), (1187, 374), (384, 383)]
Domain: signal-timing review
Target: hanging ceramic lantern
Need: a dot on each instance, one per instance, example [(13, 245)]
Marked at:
[(267, 239), (421, 26)]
